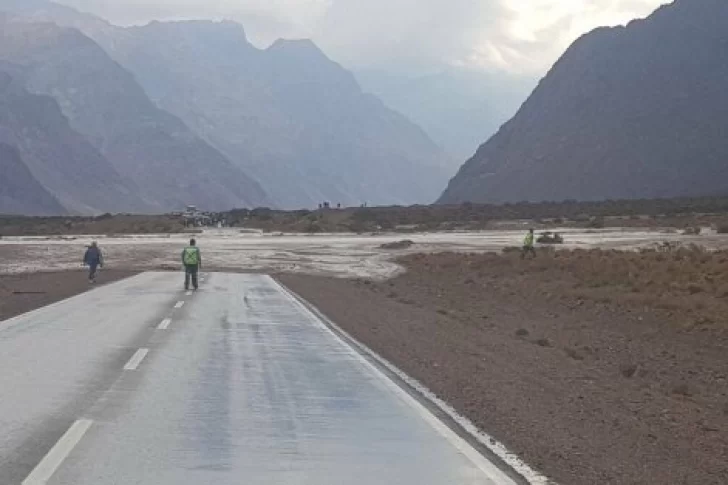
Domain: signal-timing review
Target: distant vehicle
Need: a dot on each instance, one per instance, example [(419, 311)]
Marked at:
[(550, 238)]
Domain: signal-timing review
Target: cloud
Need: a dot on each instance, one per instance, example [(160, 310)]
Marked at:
[(522, 36), (536, 32)]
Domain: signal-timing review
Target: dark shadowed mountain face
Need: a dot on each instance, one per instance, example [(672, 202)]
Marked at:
[(20, 192), (169, 165), (627, 112), (58, 158)]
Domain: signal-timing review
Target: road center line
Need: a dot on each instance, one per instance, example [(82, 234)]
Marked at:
[(165, 324), (179, 304), (136, 359), (55, 457)]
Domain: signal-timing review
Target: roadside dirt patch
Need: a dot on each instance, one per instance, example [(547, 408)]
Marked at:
[(20, 293), (584, 382)]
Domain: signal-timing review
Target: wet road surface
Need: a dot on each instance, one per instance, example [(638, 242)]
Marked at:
[(141, 383)]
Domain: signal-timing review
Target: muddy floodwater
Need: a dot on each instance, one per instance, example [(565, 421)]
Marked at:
[(340, 255)]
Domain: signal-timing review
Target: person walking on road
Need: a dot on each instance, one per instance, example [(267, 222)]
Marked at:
[(528, 243), (94, 259), (192, 260)]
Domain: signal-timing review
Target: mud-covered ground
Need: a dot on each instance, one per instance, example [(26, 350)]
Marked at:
[(583, 381), (20, 293), (338, 255)]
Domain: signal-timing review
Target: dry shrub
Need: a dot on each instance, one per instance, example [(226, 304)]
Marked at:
[(688, 282)]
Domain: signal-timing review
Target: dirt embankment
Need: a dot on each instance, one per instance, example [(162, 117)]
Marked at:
[(25, 292), (106, 224), (596, 367), (690, 214)]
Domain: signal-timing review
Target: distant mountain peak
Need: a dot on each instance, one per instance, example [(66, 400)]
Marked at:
[(298, 46)]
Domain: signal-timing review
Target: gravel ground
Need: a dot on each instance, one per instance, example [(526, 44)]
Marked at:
[(585, 392)]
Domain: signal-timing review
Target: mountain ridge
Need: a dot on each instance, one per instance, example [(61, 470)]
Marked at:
[(36, 127), (626, 112), (290, 117), (169, 165), (20, 191)]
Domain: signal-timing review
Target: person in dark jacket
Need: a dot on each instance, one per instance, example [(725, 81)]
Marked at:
[(192, 261), (94, 259)]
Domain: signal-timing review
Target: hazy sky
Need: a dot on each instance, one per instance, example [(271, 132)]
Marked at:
[(520, 36)]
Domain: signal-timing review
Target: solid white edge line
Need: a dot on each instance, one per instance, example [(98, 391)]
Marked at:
[(60, 451), (136, 359), (497, 448), (179, 304), (164, 325)]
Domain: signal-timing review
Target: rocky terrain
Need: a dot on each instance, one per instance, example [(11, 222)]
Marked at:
[(58, 158), (627, 112), (20, 192), (166, 164), (287, 116)]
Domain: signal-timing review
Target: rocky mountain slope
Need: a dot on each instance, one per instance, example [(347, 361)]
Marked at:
[(627, 112), (20, 192), (169, 165), (287, 115), (62, 161)]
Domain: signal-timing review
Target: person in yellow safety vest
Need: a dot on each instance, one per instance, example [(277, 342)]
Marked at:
[(528, 245), (192, 260)]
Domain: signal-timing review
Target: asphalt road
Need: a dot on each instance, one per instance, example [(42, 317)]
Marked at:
[(142, 383)]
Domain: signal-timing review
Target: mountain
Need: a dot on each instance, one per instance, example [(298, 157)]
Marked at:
[(20, 192), (168, 164), (458, 108), (287, 115), (58, 158), (627, 112)]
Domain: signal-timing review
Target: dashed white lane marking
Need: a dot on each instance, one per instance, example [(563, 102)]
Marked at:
[(179, 304), (136, 359), (165, 324), (54, 459), (189, 293)]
